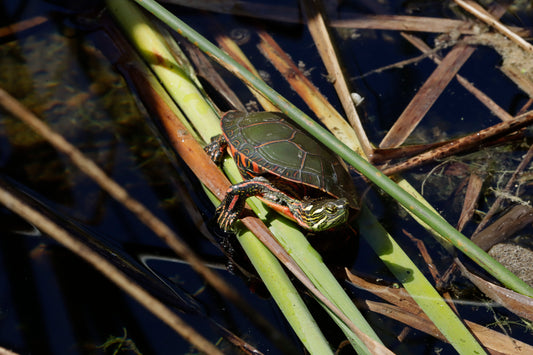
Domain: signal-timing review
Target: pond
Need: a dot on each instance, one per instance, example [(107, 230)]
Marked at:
[(68, 65)]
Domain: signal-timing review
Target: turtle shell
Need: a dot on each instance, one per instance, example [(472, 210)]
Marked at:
[(267, 144)]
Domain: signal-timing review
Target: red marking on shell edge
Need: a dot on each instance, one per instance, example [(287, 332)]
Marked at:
[(255, 168)]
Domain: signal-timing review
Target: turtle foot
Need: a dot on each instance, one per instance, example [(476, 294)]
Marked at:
[(226, 219), (230, 208)]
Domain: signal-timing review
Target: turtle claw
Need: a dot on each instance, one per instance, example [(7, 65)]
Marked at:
[(230, 209), (226, 219)]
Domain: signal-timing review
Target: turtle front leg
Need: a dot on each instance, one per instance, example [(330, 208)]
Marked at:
[(314, 215), (233, 204)]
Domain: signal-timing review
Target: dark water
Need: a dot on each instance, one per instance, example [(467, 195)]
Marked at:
[(51, 302)]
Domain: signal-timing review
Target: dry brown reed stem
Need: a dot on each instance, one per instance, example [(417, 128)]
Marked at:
[(416, 321), (319, 30), (4, 351), (526, 106), (412, 24), (22, 26), (506, 226), (481, 96), (384, 155), (109, 270), (486, 17), (402, 23), (432, 268), (464, 143), (475, 183), (496, 205), (519, 304)]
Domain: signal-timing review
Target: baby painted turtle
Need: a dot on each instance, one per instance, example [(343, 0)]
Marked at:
[(288, 169)]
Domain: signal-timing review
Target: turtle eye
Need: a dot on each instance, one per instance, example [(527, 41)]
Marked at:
[(332, 208)]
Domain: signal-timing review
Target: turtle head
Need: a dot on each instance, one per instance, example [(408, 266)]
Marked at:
[(321, 215)]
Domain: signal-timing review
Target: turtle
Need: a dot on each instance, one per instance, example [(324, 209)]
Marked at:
[(286, 168)]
